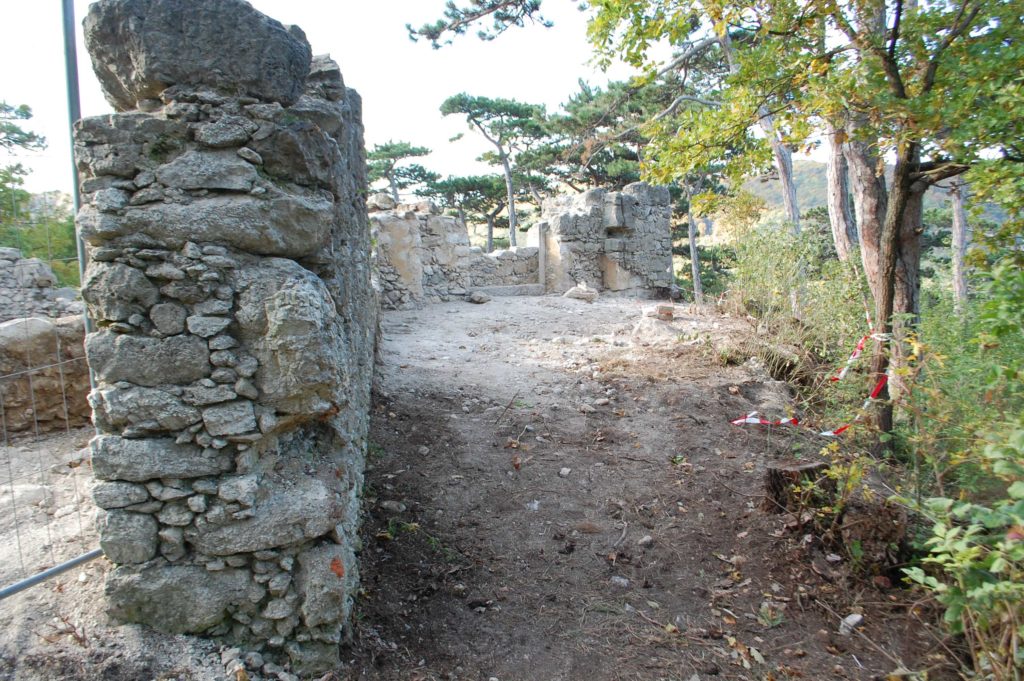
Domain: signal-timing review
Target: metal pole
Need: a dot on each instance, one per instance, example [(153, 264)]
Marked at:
[(46, 574), (74, 114)]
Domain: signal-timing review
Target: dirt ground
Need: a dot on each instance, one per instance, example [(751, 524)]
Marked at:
[(554, 492)]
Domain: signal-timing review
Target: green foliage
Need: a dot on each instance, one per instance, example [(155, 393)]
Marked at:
[(504, 122), (966, 447), (716, 261), (35, 226), (504, 14), (388, 162), (49, 236), (473, 196), (773, 266), (12, 136)]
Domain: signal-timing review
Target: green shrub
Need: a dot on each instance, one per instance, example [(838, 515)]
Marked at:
[(968, 448)]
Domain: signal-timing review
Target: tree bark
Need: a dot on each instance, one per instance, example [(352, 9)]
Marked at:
[(961, 238), (490, 226), (839, 214), (394, 187), (784, 164), (698, 288), (893, 238), (511, 197), (869, 203)]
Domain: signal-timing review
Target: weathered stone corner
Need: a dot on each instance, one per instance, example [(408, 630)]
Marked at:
[(229, 280)]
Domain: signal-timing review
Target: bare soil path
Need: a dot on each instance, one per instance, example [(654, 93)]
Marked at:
[(555, 492)]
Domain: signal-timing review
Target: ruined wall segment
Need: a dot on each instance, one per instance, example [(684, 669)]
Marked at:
[(44, 379), (229, 278), (424, 257), (613, 241), (28, 288)]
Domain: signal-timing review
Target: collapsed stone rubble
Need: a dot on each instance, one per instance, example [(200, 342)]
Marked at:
[(229, 278), (28, 288)]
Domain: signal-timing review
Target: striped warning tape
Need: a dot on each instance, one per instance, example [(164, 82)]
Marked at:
[(753, 419)]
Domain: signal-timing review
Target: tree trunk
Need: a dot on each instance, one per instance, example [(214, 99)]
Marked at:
[(784, 164), (839, 215), (869, 203), (490, 226), (961, 238), (394, 188), (698, 288), (907, 293), (538, 199), (893, 238), (511, 198)]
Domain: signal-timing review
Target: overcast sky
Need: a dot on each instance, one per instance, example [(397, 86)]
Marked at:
[(402, 83)]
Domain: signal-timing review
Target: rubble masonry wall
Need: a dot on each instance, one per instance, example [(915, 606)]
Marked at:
[(425, 257), (229, 278)]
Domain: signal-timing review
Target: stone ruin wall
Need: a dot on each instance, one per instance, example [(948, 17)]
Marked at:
[(612, 241), (425, 257), (44, 378), (229, 279), (619, 242), (28, 288)]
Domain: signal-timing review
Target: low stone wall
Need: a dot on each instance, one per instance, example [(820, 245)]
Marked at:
[(425, 257), (612, 241), (28, 288), (230, 282), (44, 379)]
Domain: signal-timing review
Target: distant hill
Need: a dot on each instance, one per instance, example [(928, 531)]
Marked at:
[(811, 188)]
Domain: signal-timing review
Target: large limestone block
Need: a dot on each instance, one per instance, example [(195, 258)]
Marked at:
[(118, 458), (141, 47), (298, 151), (115, 292), (127, 537), (34, 273), (144, 409), (285, 512), (208, 170), (288, 321), (147, 361), (287, 225), (327, 575), (177, 599)]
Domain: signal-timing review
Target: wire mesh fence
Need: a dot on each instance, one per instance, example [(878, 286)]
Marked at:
[(46, 514)]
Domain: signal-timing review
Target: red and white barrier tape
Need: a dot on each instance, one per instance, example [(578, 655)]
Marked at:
[(867, 403), (853, 358), (753, 418)]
